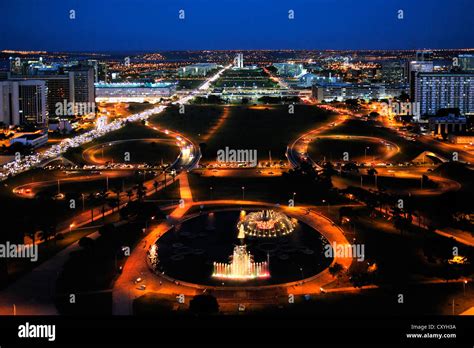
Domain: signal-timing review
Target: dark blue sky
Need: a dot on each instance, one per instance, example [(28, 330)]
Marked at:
[(119, 25)]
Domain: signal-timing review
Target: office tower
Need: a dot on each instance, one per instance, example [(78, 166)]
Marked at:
[(393, 72), (415, 67), (81, 83), (239, 60), (23, 102), (436, 91)]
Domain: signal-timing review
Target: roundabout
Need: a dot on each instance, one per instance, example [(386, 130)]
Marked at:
[(151, 150), (137, 266)]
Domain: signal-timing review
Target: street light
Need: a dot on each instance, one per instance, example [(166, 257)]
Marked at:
[(324, 201), (365, 153), (464, 287), (243, 193)]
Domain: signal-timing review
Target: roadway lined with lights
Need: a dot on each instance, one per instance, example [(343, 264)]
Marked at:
[(31, 161)]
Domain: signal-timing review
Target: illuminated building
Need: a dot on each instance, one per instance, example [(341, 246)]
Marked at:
[(415, 67), (289, 69), (23, 102), (239, 61), (200, 69), (309, 79), (33, 139), (343, 91), (436, 91), (73, 85), (447, 125), (393, 72), (129, 92), (466, 62)]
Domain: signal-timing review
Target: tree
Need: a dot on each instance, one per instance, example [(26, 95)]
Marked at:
[(103, 200), (336, 270), (141, 191), (129, 195), (86, 243), (91, 198), (350, 167), (372, 171)]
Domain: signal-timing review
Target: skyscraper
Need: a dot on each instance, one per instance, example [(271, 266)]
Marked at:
[(23, 102), (81, 82), (239, 61), (415, 67), (436, 91)]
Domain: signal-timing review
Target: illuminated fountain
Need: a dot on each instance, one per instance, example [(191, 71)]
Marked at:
[(242, 265), (267, 223)]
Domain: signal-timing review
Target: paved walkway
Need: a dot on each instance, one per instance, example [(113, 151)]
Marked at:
[(125, 290), (33, 294)]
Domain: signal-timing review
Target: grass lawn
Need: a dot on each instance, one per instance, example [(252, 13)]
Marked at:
[(261, 128), (408, 149), (152, 304), (268, 189), (195, 123)]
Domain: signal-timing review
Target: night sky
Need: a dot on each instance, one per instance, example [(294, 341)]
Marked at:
[(148, 25)]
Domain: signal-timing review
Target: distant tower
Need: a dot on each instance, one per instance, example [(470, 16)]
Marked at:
[(239, 61)]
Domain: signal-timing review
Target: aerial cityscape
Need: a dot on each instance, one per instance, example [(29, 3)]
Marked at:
[(233, 174)]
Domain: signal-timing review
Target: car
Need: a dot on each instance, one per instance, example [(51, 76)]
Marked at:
[(142, 287), (138, 280)]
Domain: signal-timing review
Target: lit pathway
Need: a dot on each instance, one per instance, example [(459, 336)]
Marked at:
[(124, 289), (33, 293)]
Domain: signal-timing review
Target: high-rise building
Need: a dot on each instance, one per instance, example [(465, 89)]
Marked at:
[(99, 69), (436, 91), (393, 72), (239, 61), (81, 83), (23, 102), (76, 85), (58, 89), (415, 67), (466, 62)]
